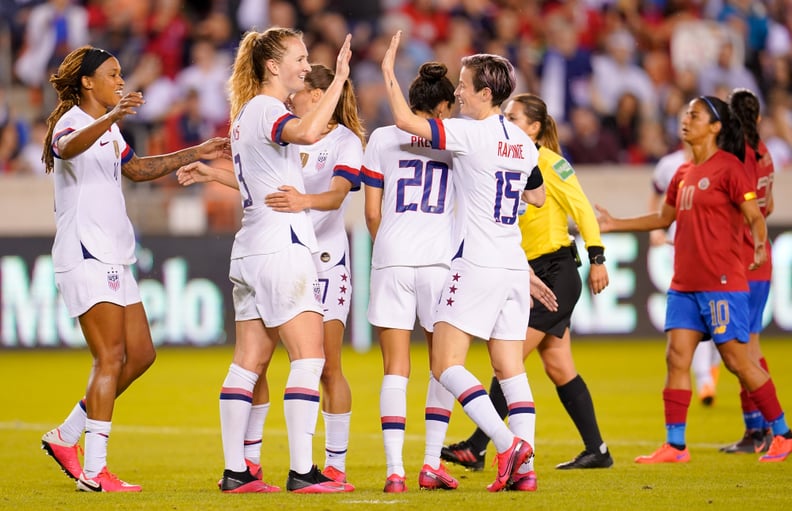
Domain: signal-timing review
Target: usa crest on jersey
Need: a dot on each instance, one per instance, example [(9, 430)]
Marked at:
[(321, 160), (113, 281)]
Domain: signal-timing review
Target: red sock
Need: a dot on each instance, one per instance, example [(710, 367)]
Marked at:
[(677, 402), (767, 401)]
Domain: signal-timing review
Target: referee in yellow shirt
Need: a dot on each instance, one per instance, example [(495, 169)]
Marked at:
[(553, 256)]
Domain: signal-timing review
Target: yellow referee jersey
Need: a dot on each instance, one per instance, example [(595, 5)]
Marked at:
[(546, 229)]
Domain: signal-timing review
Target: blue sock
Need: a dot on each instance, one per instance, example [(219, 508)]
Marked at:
[(754, 420), (779, 426), (675, 434)]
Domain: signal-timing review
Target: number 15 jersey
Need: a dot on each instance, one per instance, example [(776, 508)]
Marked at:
[(493, 159)]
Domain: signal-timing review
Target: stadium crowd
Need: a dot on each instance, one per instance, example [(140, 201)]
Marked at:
[(179, 54)]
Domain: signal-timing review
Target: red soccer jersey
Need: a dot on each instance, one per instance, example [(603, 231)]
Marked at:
[(760, 173), (708, 241)]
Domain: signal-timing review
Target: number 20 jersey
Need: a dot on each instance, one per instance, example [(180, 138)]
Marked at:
[(417, 199)]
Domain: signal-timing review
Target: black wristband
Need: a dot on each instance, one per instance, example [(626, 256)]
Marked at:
[(596, 254)]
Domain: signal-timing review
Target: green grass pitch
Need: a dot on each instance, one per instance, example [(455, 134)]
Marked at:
[(166, 437)]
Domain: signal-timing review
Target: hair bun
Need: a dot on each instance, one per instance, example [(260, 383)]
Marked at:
[(433, 71)]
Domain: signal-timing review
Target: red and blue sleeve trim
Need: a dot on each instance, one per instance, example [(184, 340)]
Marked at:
[(351, 174), (438, 134), (56, 137), (127, 155), (277, 128), (372, 177)]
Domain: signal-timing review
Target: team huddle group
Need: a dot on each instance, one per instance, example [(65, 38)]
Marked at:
[(469, 218)]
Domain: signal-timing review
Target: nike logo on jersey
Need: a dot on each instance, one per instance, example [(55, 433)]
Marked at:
[(104, 143)]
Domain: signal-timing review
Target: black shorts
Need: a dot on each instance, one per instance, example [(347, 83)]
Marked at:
[(559, 271)]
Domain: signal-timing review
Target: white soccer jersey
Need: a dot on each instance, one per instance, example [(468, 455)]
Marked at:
[(90, 211), (262, 163), (661, 177), (417, 199), (339, 153), (666, 168), (493, 159)]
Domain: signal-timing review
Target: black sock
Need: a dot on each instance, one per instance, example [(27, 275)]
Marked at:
[(479, 440), (576, 399)]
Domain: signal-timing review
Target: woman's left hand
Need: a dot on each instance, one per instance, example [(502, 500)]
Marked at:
[(287, 200), (544, 294)]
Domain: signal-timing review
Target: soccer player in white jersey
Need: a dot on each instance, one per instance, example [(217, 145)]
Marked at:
[(409, 213), (94, 248), (275, 280), (487, 291), (331, 169)]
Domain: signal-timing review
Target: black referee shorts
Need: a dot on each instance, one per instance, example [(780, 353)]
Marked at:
[(559, 271)]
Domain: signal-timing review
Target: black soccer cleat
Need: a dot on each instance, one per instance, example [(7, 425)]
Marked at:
[(462, 453), (588, 459), (754, 441)]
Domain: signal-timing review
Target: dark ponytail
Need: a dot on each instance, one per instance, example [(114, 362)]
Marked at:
[(745, 106), (731, 137)]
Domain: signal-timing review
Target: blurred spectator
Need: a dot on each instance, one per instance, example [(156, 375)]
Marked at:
[(167, 33), (208, 75), (480, 17), (581, 17), (29, 159), (118, 26), (727, 72), (748, 18), (589, 143), (53, 30), (162, 100), (616, 73), (674, 102), (426, 22), (565, 71), (13, 134), (777, 128), (624, 124), (650, 147), (282, 14)]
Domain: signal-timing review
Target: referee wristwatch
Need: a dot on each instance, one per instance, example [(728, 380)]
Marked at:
[(596, 255)]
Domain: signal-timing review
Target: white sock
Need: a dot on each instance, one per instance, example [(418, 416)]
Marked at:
[(393, 416), (522, 413), (72, 428), (476, 402), (439, 403), (301, 408), (236, 398), (336, 439), (96, 435), (255, 431)]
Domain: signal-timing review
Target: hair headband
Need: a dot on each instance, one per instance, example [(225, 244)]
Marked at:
[(711, 106), (93, 58)]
